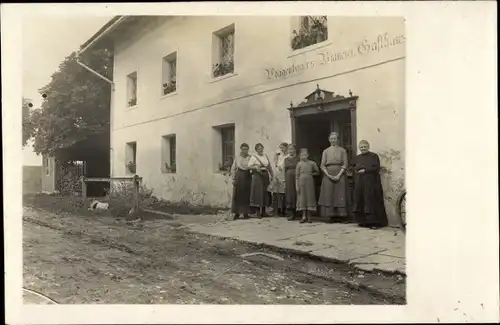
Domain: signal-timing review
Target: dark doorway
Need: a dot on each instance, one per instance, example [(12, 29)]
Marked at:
[(312, 131)]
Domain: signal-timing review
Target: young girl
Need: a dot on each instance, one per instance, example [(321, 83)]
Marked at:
[(306, 197)]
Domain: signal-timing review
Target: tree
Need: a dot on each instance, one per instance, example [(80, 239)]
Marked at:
[(28, 126), (76, 103)]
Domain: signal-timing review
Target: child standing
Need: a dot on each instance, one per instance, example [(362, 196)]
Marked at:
[(306, 197)]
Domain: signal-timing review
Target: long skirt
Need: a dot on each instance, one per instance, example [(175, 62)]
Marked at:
[(369, 209), (332, 198), (290, 190), (277, 185), (241, 192), (306, 198), (259, 196)]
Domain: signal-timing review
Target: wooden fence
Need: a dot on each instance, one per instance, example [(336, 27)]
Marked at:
[(136, 180)]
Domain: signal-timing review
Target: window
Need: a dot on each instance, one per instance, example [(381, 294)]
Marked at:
[(227, 145), (46, 164), (169, 74), (132, 89), (311, 30), (169, 159), (131, 157), (223, 52)]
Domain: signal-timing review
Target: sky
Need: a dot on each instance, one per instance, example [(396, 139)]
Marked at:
[(46, 42)]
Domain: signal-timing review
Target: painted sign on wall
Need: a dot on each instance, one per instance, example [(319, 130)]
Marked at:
[(362, 48)]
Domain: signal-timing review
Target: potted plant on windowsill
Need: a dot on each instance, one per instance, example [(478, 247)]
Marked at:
[(131, 166), (223, 68), (169, 87), (132, 102), (225, 168), (170, 169), (304, 38)]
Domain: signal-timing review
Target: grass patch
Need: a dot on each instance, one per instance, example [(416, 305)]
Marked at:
[(119, 207)]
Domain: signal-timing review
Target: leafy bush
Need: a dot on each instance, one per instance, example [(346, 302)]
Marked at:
[(121, 198)]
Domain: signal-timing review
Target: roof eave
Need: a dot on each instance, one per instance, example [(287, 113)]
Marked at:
[(104, 31)]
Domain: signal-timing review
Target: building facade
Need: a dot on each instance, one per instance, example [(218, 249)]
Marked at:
[(190, 90)]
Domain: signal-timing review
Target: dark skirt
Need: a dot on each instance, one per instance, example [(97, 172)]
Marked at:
[(259, 196), (290, 190), (332, 198), (241, 192), (369, 208)]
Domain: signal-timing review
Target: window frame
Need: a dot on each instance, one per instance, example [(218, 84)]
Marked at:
[(132, 89), (169, 85), (131, 147), (222, 67), (227, 143), (300, 33), (171, 161)]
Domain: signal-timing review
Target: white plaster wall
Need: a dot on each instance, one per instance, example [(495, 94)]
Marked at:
[(253, 101)]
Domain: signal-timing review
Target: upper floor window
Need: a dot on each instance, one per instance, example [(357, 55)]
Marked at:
[(169, 74), (311, 30), (132, 89), (223, 50)]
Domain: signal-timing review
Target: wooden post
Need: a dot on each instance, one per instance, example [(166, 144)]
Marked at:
[(84, 191), (135, 181)]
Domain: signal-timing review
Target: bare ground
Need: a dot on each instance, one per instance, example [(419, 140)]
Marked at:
[(98, 259)]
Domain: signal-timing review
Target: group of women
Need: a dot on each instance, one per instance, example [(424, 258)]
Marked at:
[(287, 184)]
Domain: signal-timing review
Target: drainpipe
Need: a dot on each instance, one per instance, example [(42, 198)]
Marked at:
[(94, 72)]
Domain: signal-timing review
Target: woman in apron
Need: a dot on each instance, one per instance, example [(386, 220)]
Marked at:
[(242, 180), (277, 185), (262, 174), (332, 198)]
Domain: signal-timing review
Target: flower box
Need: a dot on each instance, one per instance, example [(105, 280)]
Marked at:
[(169, 87), (131, 166), (221, 69), (132, 102)]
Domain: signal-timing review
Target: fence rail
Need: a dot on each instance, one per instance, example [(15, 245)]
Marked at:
[(136, 180)]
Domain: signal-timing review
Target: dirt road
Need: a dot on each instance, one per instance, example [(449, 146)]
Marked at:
[(82, 259)]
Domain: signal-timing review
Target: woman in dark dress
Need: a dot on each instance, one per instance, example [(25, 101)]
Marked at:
[(369, 210), (242, 180), (262, 173), (290, 190)]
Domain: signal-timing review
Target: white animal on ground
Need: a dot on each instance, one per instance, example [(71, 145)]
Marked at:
[(97, 205)]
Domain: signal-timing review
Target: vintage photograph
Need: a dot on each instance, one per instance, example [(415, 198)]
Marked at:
[(214, 160)]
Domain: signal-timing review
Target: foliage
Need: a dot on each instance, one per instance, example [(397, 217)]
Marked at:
[(317, 33), (28, 126), (76, 103), (121, 198), (169, 87), (221, 69)]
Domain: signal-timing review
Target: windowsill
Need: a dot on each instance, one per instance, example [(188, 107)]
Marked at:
[(129, 108), (169, 95), (168, 173), (310, 48), (222, 173), (226, 76)]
